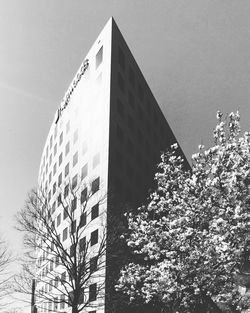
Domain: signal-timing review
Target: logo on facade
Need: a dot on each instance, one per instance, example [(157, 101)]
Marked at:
[(67, 96)]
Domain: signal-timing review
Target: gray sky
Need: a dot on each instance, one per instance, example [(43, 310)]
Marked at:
[(194, 54)]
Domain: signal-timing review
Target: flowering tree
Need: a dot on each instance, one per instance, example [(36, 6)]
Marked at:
[(192, 238)]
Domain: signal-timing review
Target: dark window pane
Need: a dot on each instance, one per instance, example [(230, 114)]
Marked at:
[(95, 211), (94, 237), (92, 292), (84, 171), (65, 213), (84, 195), (98, 58), (95, 185), (65, 233), (59, 219), (73, 227), (59, 199), (93, 264), (75, 158), (74, 182), (72, 250), (66, 191), (73, 204), (83, 219), (82, 244), (66, 169)]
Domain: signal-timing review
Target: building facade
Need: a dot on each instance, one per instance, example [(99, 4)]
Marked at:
[(106, 138)]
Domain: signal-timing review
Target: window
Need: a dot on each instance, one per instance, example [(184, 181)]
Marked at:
[(55, 149), (92, 292), (67, 127), (84, 148), (60, 159), (54, 188), (51, 265), (96, 159), (54, 169), (71, 297), (49, 196), (95, 211), (66, 170), (67, 148), (93, 264), (66, 191), (56, 281), (121, 82), (63, 277), (53, 207), (121, 58), (59, 180), (59, 199), (65, 213), (84, 195), (72, 250), (74, 182), (83, 219), (51, 141), (98, 58), (82, 244), (84, 171), (73, 227), (94, 237), (75, 136), (81, 297), (62, 304), (55, 303), (75, 158), (95, 185), (59, 219), (61, 138), (50, 159), (65, 233), (73, 204)]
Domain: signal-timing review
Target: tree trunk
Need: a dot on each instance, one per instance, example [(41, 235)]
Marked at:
[(74, 309)]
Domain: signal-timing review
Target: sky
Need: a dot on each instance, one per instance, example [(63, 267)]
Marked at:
[(195, 56)]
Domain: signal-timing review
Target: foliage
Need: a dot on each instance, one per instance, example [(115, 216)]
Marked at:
[(63, 257), (193, 237)]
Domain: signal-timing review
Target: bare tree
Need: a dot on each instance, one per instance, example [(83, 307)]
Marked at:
[(67, 246), (5, 275)]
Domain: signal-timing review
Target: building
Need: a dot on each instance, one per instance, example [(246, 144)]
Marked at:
[(107, 133)]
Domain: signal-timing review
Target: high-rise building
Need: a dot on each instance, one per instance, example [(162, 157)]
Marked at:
[(107, 134)]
